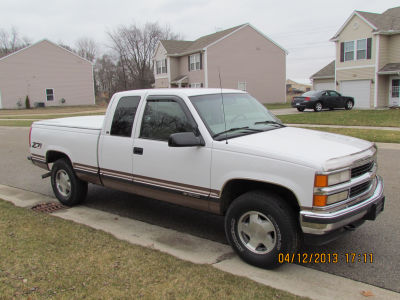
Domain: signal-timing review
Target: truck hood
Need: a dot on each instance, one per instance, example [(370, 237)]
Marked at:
[(320, 150)]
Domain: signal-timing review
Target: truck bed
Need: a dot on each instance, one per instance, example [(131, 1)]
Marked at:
[(84, 122)]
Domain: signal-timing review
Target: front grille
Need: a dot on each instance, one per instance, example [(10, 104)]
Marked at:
[(358, 171), (359, 189)]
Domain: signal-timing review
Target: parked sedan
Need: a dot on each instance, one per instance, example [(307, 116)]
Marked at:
[(319, 100)]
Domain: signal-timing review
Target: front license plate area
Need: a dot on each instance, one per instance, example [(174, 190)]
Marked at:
[(375, 210)]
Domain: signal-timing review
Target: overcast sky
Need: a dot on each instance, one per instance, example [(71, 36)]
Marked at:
[(301, 27)]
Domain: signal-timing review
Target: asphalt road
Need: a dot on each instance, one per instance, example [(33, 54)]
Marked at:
[(381, 237)]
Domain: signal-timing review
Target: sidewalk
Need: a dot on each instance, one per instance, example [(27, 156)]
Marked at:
[(293, 278)]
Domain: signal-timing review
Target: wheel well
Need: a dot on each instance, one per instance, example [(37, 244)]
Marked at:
[(237, 187), (52, 156)]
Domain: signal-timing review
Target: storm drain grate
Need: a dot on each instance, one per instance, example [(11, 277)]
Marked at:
[(48, 207)]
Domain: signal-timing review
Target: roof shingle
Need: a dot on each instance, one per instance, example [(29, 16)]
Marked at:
[(389, 20), (326, 72), (180, 47)]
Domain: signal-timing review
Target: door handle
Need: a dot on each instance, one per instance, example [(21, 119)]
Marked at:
[(138, 150)]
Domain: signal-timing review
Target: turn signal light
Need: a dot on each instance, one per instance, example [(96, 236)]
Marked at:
[(320, 200), (321, 181)]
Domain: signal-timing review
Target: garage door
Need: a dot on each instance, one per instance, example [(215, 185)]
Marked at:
[(359, 89), (324, 86)]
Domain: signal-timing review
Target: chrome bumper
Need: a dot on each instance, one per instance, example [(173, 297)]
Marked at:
[(320, 223)]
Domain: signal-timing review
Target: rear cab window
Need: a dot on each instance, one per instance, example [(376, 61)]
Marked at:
[(124, 116)]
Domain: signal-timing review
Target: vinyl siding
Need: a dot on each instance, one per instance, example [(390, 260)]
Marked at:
[(161, 83), (45, 65), (358, 74), (356, 29), (174, 67), (383, 91), (384, 53), (247, 56), (394, 49)]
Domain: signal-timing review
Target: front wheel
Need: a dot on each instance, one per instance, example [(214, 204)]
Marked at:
[(259, 226), (348, 105), (67, 188)]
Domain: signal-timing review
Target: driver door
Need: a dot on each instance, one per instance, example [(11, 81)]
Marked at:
[(176, 174)]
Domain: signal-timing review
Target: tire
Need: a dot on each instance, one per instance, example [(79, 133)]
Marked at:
[(67, 188), (301, 108), (349, 105), (279, 226), (318, 106)]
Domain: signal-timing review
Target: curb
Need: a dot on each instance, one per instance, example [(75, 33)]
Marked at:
[(292, 278)]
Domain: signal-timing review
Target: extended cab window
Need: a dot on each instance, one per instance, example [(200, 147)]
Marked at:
[(124, 116), (162, 118)]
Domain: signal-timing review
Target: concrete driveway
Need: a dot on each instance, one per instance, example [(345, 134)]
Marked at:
[(380, 237)]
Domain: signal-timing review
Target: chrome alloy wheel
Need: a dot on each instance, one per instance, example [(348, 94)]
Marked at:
[(63, 183), (318, 106), (257, 232)]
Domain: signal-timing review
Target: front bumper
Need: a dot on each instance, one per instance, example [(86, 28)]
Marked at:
[(324, 223)]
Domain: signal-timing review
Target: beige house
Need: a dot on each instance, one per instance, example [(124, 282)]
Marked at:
[(246, 59), (47, 73), (367, 64)]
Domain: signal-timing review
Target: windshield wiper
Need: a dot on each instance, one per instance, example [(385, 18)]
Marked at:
[(237, 128), (269, 122)]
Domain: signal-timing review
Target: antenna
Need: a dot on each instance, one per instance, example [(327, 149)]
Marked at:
[(223, 106)]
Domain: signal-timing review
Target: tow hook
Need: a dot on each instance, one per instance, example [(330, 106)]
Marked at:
[(48, 174)]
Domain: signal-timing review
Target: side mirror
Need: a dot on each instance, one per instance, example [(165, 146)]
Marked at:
[(185, 139)]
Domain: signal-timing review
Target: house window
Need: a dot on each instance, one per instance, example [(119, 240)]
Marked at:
[(362, 49), (49, 94), (196, 85), (242, 86), (161, 66), (195, 62), (349, 51)]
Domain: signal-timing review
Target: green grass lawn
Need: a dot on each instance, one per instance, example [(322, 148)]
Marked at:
[(378, 136), (42, 117), (277, 105), (51, 110), (17, 123), (389, 117), (42, 257)]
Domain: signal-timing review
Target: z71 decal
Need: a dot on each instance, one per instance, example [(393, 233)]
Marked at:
[(36, 145)]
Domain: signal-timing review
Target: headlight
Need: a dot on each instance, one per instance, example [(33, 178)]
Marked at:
[(332, 179)]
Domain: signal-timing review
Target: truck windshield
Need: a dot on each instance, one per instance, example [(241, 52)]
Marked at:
[(243, 115)]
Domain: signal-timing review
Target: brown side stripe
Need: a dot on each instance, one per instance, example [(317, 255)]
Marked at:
[(150, 181)]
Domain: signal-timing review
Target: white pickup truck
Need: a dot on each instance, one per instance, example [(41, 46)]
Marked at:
[(219, 151)]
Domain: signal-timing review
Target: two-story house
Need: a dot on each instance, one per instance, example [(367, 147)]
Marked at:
[(242, 56), (367, 64)]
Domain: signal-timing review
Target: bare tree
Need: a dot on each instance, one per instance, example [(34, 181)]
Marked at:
[(134, 45), (10, 41), (86, 48)]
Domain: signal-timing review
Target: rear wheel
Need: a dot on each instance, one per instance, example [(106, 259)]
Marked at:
[(348, 105), (259, 226), (318, 106), (67, 188), (301, 108)]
